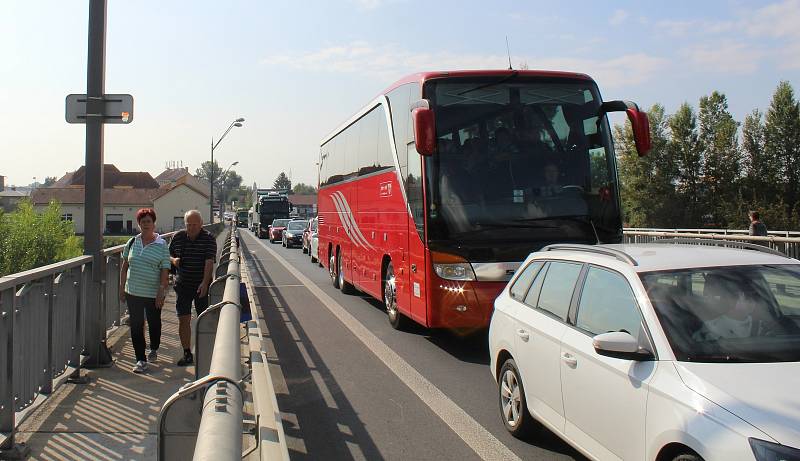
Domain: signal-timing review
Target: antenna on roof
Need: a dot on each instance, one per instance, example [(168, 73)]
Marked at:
[(508, 50)]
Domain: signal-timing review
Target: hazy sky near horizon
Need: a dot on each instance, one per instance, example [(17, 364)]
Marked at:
[(296, 70)]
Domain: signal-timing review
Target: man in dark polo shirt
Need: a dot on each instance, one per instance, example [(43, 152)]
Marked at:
[(193, 251)]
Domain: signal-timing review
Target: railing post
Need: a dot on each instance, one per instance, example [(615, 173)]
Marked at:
[(8, 449), (7, 367), (49, 295)]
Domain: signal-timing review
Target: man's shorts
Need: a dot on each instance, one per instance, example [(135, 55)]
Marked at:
[(187, 293)]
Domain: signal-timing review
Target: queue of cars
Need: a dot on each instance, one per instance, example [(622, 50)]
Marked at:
[(661, 351), (296, 233)]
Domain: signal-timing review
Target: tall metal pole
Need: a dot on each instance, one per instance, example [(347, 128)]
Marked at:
[(211, 203), (95, 337)]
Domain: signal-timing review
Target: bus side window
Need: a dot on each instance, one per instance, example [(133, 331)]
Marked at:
[(385, 158)]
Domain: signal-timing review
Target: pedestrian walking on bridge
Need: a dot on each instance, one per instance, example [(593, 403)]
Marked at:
[(193, 251), (143, 283), (757, 227)]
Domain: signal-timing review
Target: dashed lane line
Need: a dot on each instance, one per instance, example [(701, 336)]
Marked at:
[(485, 445)]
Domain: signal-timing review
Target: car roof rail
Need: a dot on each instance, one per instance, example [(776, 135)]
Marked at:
[(723, 243), (614, 253)]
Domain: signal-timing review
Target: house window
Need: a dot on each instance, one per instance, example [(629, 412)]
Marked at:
[(66, 217)]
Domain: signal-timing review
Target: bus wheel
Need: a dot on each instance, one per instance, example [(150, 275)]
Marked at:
[(346, 287), (396, 319), (332, 270)]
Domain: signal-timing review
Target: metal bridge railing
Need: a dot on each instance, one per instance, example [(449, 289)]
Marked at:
[(47, 333), (790, 246), (204, 419)]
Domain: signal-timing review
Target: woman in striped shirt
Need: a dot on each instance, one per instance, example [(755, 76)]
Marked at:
[(143, 284)]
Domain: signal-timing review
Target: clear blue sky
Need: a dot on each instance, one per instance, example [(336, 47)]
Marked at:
[(295, 70)]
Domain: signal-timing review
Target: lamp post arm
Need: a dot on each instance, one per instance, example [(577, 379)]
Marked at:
[(223, 136)]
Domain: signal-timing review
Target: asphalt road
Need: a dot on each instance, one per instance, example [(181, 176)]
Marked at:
[(351, 387)]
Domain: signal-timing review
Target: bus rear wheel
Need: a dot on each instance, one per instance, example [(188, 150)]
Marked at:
[(397, 320), (346, 287), (332, 270)]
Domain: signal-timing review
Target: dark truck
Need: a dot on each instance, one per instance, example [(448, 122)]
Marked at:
[(271, 206), (241, 217)]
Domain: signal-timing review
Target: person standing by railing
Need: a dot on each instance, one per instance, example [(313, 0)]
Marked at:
[(757, 227), (193, 251), (143, 283)]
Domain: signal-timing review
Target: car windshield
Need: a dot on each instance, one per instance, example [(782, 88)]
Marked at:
[(729, 314), (280, 222), (297, 225), (521, 158)]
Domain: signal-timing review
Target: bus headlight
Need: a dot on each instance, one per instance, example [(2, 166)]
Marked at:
[(457, 271), (452, 267)]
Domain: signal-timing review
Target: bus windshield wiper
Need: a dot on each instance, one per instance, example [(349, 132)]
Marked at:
[(487, 85)]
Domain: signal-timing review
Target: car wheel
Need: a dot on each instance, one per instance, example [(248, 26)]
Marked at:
[(311, 255), (513, 407), (346, 287), (687, 457), (397, 320)]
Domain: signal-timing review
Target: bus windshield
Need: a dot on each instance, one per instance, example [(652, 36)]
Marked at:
[(520, 158)]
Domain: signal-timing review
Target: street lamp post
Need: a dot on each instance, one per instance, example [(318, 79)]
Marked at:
[(224, 173), (236, 123)]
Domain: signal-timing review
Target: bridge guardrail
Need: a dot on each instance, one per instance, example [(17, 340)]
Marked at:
[(204, 419), (790, 246), (44, 339)]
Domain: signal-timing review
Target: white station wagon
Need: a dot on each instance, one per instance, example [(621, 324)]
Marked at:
[(662, 351)]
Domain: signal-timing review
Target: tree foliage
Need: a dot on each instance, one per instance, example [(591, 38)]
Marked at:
[(702, 172), (282, 182), (225, 182), (29, 239), (302, 188)]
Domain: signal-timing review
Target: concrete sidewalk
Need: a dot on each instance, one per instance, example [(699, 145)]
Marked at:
[(114, 415)]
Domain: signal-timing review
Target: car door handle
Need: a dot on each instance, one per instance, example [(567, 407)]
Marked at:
[(523, 334), (569, 359)]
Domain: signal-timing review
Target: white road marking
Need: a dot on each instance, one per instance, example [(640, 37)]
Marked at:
[(485, 445)]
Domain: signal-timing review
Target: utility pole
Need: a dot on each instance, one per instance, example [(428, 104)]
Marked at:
[(95, 337)]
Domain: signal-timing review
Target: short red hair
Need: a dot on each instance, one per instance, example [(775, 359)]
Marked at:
[(145, 212)]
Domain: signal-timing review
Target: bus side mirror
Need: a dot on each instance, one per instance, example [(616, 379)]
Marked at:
[(639, 122), (424, 129)]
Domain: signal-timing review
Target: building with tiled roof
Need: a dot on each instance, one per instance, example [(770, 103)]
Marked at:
[(305, 204), (113, 178), (124, 193)]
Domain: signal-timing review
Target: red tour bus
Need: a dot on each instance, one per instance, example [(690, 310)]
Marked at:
[(434, 192)]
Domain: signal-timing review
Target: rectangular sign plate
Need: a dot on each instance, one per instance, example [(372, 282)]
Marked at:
[(117, 108)]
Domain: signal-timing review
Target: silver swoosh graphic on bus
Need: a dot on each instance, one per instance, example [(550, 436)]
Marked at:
[(349, 221), (342, 218), (356, 229)]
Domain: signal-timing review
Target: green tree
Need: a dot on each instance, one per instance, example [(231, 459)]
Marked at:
[(29, 239), (782, 142), (49, 181), (282, 182), (718, 139), (648, 191), (685, 150), (224, 181), (759, 174), (301, 188)]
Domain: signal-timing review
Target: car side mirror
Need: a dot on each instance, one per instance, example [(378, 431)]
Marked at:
[(639, 122), (620, 345), (424, 128)]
